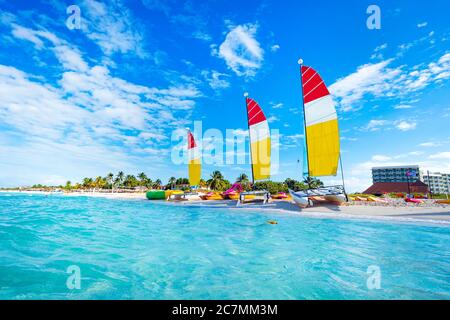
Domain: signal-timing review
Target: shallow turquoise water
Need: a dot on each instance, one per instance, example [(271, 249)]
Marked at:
[(146, 250)]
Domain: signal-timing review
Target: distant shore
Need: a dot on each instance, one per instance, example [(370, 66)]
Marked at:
[(405, 212)]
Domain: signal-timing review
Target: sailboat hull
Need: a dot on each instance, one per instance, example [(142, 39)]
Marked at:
[(301, 200), (337, 198)]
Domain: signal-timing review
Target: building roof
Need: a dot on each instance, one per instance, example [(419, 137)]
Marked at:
[(388, 187)]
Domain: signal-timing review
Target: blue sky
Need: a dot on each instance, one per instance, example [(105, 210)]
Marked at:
[(108, 96)]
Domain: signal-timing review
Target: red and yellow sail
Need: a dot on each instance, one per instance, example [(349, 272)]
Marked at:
[(194, 164), (322, 131), (259, 140)]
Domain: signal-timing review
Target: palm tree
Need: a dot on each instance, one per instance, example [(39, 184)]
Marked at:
[(157, 184), (130, 181), (68, 186), (99, 182), (313, 183), (216, 180), (143, 179), (87, 183), (243, 178), (119, 179), (172, 182), (109, 179)]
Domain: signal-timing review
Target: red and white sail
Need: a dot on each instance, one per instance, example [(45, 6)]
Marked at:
[(194, 165), (322, 132), (259, 140)]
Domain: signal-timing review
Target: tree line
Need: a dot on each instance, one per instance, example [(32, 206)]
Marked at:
[(216, 182)]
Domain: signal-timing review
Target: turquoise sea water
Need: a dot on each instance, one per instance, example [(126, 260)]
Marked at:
[(146, 250)]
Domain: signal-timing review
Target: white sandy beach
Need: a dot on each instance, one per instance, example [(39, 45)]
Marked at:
[(411, 212)]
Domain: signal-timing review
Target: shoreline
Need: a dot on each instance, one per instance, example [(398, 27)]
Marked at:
[(419, 214)]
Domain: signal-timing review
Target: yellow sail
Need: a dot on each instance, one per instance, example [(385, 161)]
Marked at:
[(322, 131), (194, 165), (260, 141)]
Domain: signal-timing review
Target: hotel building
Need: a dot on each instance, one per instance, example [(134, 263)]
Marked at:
[(439, 183), (395, 174)]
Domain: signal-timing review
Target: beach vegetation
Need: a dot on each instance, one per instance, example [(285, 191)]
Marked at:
[(122, 182), (244, 181), (68, 186), (295, 185), (313, 183), (271, 186), (217, 182)]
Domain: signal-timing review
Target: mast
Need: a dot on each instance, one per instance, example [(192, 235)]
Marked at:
[(300, 62), (342, 176), (249, 138)]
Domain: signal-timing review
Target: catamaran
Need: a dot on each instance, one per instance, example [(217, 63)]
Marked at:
[(321, 138), (260, 148), (194, 166)]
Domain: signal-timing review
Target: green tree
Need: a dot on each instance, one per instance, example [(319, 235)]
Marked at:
[(110, 179), (313, 183), (295, 185), (143, 179), (99, 182), (271, 186), (130, 181), (217, 182), (88, 183), (68, 186), (119, 179), (172, 182), (243, 178), (157, 184), (244, 181)]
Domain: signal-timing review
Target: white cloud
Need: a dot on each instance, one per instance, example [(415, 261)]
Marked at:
[(403, 125), (406, 126), (85, 118), (375, 125), (241, 51), (275, 48), (380, 158), (403, 106), (272, 119), (277, 106), (422, 24), (441, 156), (35, 36), (377, 54), (429, 144), (216, 80), (112, 27), (380, 81), (381, 47), (70, 58), (368, 79), (27, 34)]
